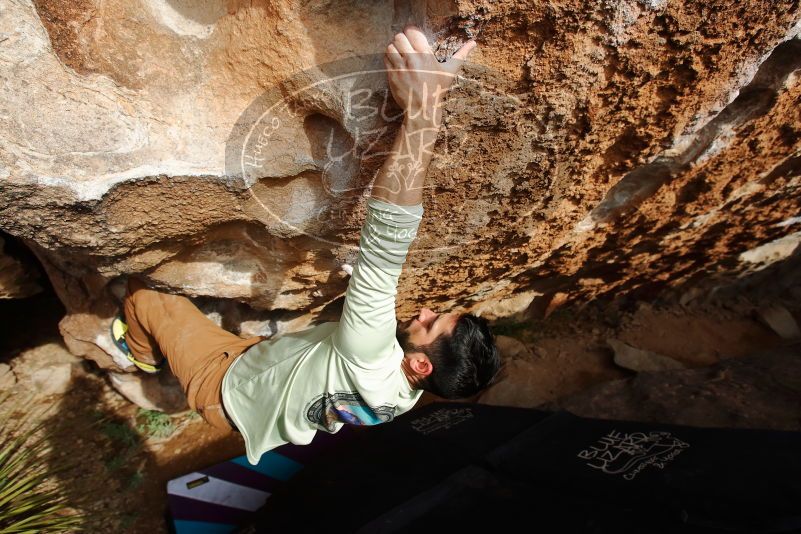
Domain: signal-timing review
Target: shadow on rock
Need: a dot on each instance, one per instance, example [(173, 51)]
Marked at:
[(762, 391)]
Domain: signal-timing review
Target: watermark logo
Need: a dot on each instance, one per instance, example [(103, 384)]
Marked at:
[(309, 149), (628, 454), (442, 419)]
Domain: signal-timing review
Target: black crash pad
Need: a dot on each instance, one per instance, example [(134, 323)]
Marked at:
[(474, 467)]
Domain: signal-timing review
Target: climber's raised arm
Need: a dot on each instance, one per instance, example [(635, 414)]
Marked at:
[(418, 83)]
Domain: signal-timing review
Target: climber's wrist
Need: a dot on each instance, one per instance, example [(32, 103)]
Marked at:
[(422, 122)]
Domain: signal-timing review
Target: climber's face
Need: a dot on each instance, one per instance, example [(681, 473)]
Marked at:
[(417, 333), (427, 326)]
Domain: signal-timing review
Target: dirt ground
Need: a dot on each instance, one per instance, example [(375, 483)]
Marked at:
[(568, 352), (118, 458)]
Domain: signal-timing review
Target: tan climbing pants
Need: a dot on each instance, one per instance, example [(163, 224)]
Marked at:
[(198, 351)]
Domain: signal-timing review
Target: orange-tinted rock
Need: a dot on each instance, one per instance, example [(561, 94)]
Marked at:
[(588, 152)]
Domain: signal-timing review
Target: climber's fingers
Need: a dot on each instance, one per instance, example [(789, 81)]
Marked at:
[(464, 51), (403, 45), (418, 40), (394, 57), (389, 66), (458, 58)]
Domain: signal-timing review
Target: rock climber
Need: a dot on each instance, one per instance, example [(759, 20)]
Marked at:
[(363, 370)]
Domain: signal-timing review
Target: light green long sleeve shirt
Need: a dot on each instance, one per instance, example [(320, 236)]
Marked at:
[(285, 389)]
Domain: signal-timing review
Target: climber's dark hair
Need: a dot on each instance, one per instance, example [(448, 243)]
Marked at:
[(464, 362)]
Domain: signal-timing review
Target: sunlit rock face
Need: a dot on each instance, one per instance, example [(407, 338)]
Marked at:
[(589, 150)]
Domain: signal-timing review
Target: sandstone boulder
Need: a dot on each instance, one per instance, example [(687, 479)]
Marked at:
[(160, 392), (47, 369), (762, 391), (781, 321), (639, 360), (7, 377), (509, 348), (221, 149)]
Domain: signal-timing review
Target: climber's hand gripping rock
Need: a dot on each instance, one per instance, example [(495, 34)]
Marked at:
[(417, 80)]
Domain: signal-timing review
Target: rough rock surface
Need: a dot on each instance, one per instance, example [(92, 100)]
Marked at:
[(592, 149), (762, 391), (160, 392), (17, 279), (781, 321), (639, 360), (7, 377), (47, 369)]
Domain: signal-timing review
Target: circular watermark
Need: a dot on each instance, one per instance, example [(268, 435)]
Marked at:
[(309, 150)]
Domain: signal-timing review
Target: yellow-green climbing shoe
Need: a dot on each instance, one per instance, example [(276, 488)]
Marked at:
[(118, 330)]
